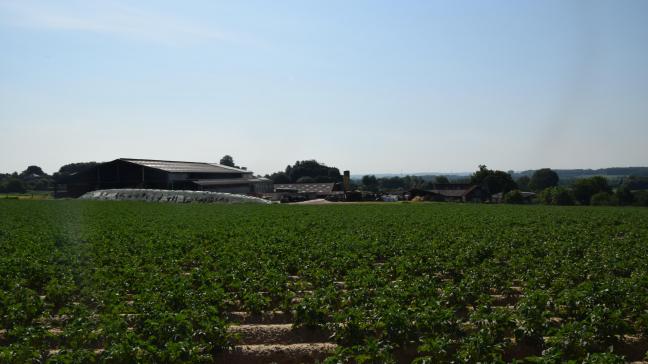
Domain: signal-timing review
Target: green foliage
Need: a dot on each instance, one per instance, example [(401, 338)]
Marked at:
[(278, 177), (311, 168), (514, 197), (227, 160), (306, 179), (370, 183), (523, 183), (556, 196), (640, 198), (585, 188), (624, 195), (603, 199), (14, 185), (543, 179), (33, 170), (493, 181), (460, 283), (72, 168)]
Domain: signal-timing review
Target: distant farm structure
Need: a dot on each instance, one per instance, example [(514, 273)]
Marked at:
[(451, 192), (306, 191), (162, 174)]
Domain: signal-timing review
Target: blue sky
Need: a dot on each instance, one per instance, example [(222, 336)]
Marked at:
[(370, 86)]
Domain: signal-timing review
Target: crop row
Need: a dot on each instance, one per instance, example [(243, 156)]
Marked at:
[(88, 281)]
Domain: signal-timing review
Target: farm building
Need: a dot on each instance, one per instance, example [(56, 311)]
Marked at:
[(160, 174), (457, 192), (306, 191)]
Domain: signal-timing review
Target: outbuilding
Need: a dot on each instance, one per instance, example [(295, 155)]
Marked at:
[(163, 174)]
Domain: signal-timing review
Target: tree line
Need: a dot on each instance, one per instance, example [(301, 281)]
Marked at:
[(545, 182), (33, 178)]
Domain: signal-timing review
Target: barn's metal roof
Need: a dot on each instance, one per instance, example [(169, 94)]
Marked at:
[(306, 187), (452, 192), (185, 167), (229, 181)]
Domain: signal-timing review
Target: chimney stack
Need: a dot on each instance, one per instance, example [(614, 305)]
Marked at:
[(347, 181)]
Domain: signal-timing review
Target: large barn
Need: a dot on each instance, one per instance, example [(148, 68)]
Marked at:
[(160, 174)]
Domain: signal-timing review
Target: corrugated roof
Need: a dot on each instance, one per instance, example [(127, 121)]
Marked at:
[(453, 192), (523, 193), (307, 187), (229, 181), (185, 167)]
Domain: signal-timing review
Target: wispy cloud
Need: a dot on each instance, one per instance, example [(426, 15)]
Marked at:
[(107, 18)]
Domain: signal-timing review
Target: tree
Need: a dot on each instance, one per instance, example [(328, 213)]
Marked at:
[(392, 183), (314, 169), (556, 196), (14, 185), (624, 195), (306, 179), (543, 178), (441, 180), (523, 183), (514, 196), (72, 168), (603, 199), (585, 188), (561, 196), (493, 181), (370, 183), (641, 198), (33, 170), (227, 160), (278, 177)]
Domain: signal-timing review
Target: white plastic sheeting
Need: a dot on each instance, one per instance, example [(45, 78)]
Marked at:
[(134, 194)]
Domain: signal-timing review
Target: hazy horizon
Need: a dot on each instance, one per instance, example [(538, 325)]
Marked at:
[(370, 87)]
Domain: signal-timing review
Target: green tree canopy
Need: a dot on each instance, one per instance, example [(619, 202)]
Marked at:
[(14, 185), (370, 183), (523, 183), (73, 168), (278, 177), (543, 178), (493, 181), (311, 168), (514, 197), (306, 179), (624, 195), (33, 170), (227, 160), (585, 188)]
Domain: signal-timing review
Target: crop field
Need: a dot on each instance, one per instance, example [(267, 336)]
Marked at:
[(121, 282)]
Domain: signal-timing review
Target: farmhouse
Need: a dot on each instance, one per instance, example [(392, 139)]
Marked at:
[(458, 192), (161, 174)]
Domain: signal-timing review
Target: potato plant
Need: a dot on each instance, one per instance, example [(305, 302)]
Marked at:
[(114, 282)]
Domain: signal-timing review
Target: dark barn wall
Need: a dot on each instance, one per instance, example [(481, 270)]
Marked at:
[(124, 174), (117, 174)]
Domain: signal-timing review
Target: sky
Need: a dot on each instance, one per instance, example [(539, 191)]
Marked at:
[(366, 86)]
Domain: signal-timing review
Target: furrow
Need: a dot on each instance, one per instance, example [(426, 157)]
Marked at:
[(276, 334), (274, 353)]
